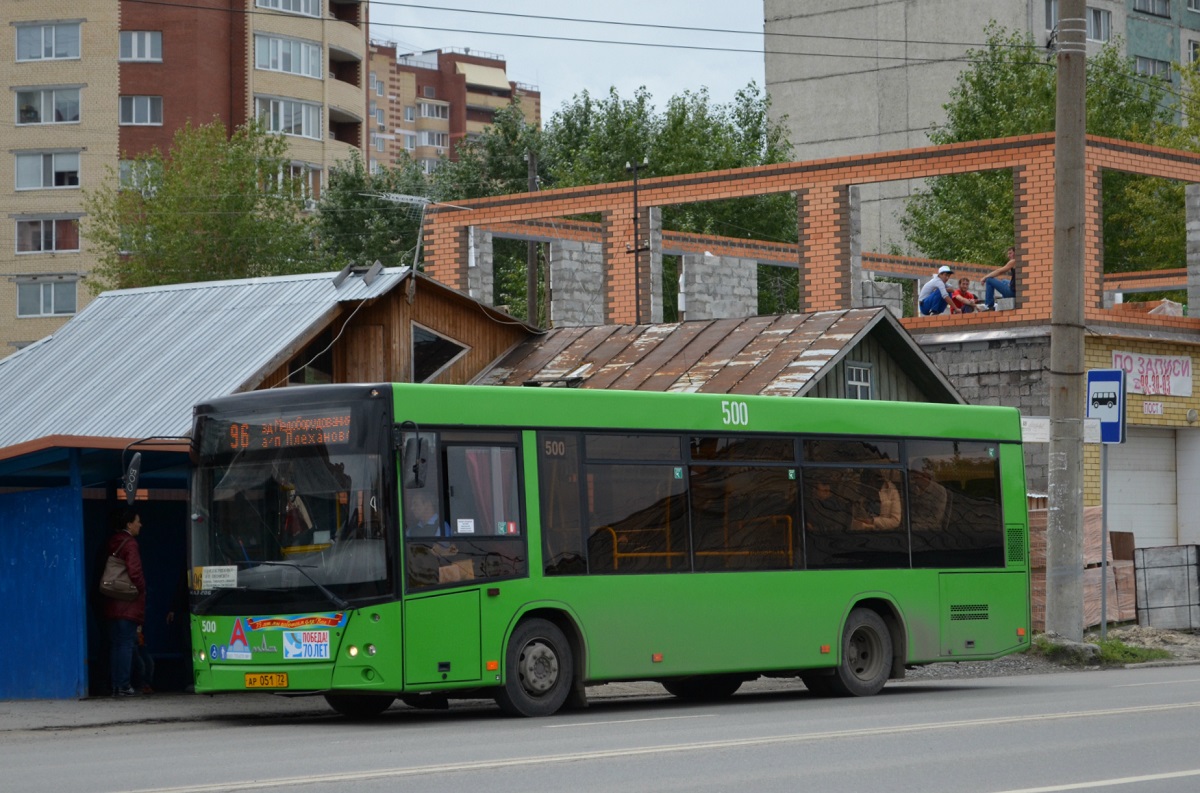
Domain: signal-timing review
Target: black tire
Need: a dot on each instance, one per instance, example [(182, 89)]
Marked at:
[(538, 669), (705, 688), (360, 706), (866, 655), (818, 685)]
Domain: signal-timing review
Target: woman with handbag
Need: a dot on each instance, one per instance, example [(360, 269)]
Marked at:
[(125, 616)]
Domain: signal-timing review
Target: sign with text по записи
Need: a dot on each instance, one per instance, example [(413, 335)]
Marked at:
[(1169, 375)]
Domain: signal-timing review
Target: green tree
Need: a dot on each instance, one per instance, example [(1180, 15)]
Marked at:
[(356, 221), (1010, 89), (214, 207)]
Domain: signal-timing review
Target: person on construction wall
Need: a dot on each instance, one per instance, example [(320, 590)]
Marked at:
[(934, 297)]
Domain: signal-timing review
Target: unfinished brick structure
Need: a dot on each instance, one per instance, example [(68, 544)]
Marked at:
[(825, 255)]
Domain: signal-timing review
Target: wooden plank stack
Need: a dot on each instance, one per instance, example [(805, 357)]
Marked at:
[(1122, 605)]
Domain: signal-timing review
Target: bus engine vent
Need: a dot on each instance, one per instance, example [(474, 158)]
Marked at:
[(1016, 543), (969, 611)]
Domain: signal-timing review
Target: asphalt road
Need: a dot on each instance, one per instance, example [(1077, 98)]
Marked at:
[(1123, 729)]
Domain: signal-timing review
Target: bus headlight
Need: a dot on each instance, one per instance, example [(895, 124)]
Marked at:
[(352, 651)]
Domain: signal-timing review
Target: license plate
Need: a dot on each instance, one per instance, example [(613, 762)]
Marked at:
[(267, 680)]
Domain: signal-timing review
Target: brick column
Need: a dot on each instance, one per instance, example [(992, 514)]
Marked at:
[(619, 284), (1093, 239), (445, 252), (1033, 216), (824, 235)]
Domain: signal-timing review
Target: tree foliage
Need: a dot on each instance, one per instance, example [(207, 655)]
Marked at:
[(359, 220), (214, 207), (1010, 89)]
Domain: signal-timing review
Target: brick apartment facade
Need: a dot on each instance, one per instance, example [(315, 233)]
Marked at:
[(422, 105), (97, 84)]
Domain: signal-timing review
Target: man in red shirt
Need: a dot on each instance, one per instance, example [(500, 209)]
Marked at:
[(963, 300)]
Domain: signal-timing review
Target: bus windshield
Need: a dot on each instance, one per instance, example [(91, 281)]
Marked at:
[(296, 525)]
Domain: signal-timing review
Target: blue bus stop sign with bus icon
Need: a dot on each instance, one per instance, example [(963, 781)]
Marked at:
[(1106, 402)]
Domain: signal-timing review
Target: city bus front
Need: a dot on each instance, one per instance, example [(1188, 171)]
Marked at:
[(292, 543)]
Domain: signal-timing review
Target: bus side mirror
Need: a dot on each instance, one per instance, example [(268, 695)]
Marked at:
[(416, 460), (131, 477)]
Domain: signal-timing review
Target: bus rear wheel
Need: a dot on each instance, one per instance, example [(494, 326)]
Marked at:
[(705, 688), (538, 670), (360, 706), (866, 655)]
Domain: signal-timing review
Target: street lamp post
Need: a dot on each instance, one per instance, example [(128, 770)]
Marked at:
[(638, 247)]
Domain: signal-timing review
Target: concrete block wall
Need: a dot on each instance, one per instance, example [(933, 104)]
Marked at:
[(576, 284), (718, 287), (481, 266), (1001, 372), (1192, 213)]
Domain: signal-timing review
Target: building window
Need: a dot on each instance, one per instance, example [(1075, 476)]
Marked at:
[(1160, 8), (379, 117), (48, 42), (49, 106), (45, 170), (377, 140), (46, 235), (46, 296), (1193, 5), (143, 111), (858, 380), (430, 110), (410, 140), (141, 45), (1099, 21), (1193, 49), (290, 117), (1099, 24), (439, 139), (428, 165), (379, 88), (410, 112), (432, 353), (290, 56), (429, 92), (309, 8), (1152, 67)]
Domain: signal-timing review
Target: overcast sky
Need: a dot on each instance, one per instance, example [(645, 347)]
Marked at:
[(597, 57)]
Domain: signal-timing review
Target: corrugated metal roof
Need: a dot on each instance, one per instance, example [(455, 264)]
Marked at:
[(775, 355), (134, 361)]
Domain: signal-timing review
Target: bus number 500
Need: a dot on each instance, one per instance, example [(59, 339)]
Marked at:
[(735, 412)]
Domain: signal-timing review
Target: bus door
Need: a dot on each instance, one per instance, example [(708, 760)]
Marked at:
[(463, 531)]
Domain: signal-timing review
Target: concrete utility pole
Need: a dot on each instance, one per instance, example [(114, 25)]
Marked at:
[(1064, 529), (531, 252)]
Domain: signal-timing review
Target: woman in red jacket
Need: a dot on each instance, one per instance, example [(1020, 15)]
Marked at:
[(124, 616)]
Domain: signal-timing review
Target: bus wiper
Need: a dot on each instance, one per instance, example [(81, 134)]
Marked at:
[(203, 606), (334, 599)]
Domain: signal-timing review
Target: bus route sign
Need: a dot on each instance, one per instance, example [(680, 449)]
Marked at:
[(1106, 402)]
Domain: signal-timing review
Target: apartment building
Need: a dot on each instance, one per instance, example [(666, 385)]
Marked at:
[(97, 83), (859, 76), (422, 105)]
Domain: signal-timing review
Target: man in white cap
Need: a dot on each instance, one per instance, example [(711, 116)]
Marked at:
[(934, 297)]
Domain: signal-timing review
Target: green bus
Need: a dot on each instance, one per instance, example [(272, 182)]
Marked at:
[(422, 542)]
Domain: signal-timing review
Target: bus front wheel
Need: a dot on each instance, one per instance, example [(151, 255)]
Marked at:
[(360, 706), (538, 670), (866, 655)]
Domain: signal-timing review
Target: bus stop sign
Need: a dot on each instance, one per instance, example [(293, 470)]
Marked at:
[(1106, 402)]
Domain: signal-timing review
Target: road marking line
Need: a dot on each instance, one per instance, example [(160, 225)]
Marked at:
[(1162, 683), (1125, 780), (703, 746)]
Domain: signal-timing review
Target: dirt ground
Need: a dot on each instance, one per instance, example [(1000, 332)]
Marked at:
[(1182, 645)]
